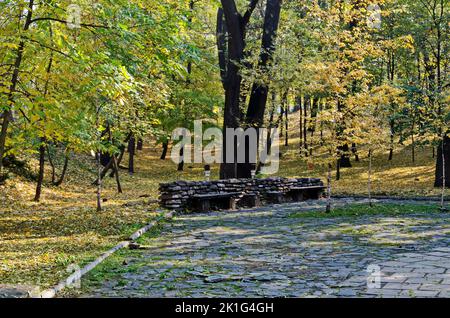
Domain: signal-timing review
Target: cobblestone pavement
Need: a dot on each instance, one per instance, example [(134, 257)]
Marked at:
[(267, 253)]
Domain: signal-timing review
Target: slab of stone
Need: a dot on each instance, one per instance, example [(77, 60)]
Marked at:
[(19, 291)]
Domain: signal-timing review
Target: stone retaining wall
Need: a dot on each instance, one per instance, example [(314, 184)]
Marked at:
[(176, 195)]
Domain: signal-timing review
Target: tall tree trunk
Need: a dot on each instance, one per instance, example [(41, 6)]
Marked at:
[(338, 169), (52, 165), (181, 163), (131, 151), (344, 161), (165, 147), (328, 208), (391, 142), (104, 169), (306, 104), (442, 172), (114, 162), (140, 144), (43, 145), (235, 27), (300, 123), (229, 26), (286, 119), (119, 160), (7, 113), (64, 170), (99, 161), (37, 196), (280, 122), (99, 182), (259, 92), (369, 180), (116, 168)]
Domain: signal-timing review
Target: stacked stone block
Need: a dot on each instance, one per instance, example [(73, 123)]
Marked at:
[(176, 195)]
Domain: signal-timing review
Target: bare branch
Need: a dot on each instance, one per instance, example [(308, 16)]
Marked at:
[(249, 12), (86, 25)]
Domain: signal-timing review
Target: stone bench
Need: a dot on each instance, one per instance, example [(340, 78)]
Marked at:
[(247, 193), (305, 193), (215, 201), (275, 197), (249, 200)]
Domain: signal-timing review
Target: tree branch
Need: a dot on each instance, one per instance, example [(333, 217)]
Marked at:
[(86, 25), (249, 12)]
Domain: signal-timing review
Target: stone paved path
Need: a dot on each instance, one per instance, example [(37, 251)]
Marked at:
[(265, 252)]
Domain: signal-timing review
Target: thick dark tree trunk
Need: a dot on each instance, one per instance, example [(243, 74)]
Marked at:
[(235, 28), (140, 144), (229, 23), (102, 173), (6, 116), (300, 122), (286, 120), (131, 152), (98, 182), (338, 169), (181, 163), (40, 180), (114, 161), (119, 160), (345, 158), (105, 158), (391, 142), (443, 152), (280, 122), (306, 104), (165, 146)]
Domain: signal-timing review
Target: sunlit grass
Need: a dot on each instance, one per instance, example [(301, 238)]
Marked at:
[(356, 210)]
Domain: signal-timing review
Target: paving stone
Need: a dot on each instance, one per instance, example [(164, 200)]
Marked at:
[(419, 293), (401, 286), (395, 278), (428, 270), (445, 294), (265, 253), (422, 280), (438, 287)]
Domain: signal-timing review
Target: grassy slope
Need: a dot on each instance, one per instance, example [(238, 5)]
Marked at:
[(400, 177), (38, 240)]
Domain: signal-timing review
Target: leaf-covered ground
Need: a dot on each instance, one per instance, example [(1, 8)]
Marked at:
[(39, 240)]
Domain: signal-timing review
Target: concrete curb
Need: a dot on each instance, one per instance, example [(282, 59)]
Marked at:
[(53, 291)]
